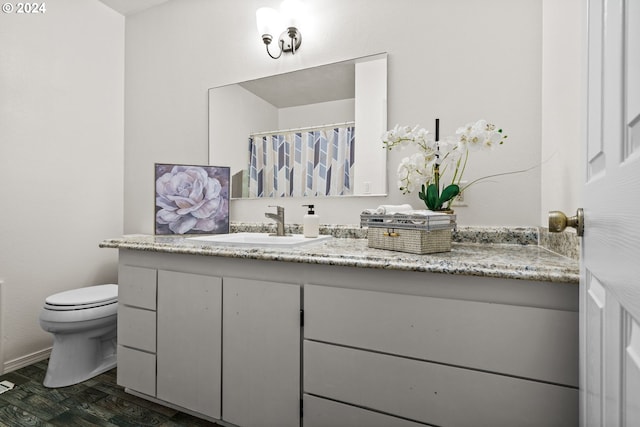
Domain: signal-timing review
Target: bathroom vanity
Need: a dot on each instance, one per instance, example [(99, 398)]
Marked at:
[(339, 334)]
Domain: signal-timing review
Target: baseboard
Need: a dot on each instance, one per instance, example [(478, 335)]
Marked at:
[(27, 360)]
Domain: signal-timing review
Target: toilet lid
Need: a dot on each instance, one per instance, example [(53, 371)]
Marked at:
[(91, 295)]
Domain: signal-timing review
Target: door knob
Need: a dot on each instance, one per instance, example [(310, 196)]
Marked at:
[(558, 221)]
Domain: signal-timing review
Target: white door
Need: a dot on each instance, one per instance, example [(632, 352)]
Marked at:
[(610, 282)]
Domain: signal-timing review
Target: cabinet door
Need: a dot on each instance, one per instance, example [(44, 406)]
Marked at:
[(189, 339), (261, 353)]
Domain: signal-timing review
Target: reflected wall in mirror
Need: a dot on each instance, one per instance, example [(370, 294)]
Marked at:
[(353, 92)]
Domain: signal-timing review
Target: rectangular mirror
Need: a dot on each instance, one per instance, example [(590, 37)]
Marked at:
[(344, 95)]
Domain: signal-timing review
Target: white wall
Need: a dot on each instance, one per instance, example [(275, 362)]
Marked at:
[(562, 100), (457, 60), (236, 113), (61, 160), (321, 113)]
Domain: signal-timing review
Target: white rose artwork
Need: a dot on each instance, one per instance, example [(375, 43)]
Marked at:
[(192, 199)]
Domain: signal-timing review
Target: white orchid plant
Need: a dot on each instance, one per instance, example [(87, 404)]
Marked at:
[(424, 170)]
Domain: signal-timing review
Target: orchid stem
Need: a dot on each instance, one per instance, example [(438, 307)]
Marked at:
[(497, 174)]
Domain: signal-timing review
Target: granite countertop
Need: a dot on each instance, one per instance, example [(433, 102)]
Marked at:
[(467, 257)]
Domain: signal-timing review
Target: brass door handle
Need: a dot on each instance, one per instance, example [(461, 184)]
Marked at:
[(558, 221)]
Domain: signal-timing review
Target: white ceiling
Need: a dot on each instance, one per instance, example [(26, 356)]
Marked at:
[(309, 86), (129, 7)]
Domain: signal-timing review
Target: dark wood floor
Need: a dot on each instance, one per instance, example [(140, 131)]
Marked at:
[(96, 402)]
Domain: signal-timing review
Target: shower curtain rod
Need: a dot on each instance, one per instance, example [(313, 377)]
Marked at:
[(275, 132)]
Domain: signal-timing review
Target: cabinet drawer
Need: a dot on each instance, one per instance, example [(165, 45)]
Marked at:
[(137, 286), (137, 328), (527, 342), (322, 413), (433, 393), (137, 370)]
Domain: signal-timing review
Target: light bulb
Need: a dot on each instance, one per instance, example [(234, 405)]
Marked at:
[(268, 21), (291, 12)]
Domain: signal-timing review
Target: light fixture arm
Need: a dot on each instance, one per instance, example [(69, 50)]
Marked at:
[(267, 38), (295, 39), (289, 41)]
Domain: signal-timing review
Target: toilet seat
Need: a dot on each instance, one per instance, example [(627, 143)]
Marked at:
[(83, 298)]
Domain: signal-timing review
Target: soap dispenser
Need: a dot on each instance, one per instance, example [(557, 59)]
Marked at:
[(311, 223)]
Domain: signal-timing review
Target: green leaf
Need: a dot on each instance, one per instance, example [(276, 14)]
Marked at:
[(432, 197), (422, 195), (449, 193)]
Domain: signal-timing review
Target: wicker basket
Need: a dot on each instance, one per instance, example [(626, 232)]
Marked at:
[(411, 241), (409, 233)]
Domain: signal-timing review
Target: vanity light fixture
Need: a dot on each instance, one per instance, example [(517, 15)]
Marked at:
[(270, 20)]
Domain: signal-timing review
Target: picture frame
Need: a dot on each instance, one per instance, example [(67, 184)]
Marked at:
[(191, 199)]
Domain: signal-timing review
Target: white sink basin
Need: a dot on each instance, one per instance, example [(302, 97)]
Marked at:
[(259, 239)]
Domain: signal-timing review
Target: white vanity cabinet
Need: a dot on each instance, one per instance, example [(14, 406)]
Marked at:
[(169, 336), (438, 361), (378, 347), (196, 338)]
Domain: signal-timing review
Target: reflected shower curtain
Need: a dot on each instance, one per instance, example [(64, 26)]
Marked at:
[(309, 163)]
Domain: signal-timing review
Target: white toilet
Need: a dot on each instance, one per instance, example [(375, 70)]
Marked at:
[(84, 326)]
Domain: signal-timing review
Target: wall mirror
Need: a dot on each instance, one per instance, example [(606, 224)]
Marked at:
[(348, 94)]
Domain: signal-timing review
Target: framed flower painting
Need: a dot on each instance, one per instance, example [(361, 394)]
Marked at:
[(191, 199)]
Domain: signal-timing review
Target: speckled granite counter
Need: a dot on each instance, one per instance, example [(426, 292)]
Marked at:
[(511, 261)]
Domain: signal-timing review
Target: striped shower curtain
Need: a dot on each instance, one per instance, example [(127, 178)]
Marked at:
[(308, 163)]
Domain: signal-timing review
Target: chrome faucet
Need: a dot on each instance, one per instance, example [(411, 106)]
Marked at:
[(278, 218)]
